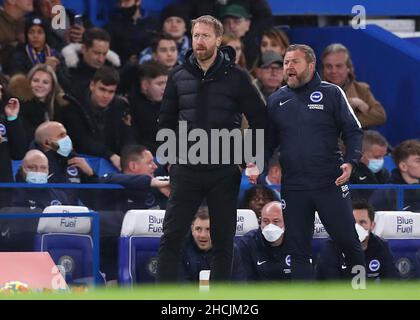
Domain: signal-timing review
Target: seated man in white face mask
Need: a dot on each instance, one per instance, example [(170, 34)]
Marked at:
[(378, 256), (263, 251), (34, 169)]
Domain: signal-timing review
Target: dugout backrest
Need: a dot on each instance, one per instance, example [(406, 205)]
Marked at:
[(402, 231), (68, 241), (138, 245)]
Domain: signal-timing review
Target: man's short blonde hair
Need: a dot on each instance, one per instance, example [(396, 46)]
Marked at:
[(209, 20)]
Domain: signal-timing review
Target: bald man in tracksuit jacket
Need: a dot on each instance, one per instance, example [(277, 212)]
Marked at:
[(305, 119)]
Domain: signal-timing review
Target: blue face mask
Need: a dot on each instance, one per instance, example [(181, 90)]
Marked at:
[(36, 177), (65, 146), (376, 165)]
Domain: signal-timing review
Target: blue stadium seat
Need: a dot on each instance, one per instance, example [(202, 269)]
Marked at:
[(402, 231), (68, 242), (319, 238), (140, 238), (246, 220), (138, 245)]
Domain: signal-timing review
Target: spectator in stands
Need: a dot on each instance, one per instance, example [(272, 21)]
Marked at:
[(269, 74), (145, 100), (406, 157), (36, 49), (64, 165), (370, 168), (273, 177), (261, 13), (175, 22), (163, 50), (274, 40), (72, 32), (12, 141), (12, 26), (236, 43), (378, 256), (34, 169), (99, 124), (256, 197), (41, 95), (197, 253), (130, 29), (83, 60), (263, 251), (237, 20), (337, 68), (142, 189)]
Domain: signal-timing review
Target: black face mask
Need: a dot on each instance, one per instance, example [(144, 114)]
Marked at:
[(128, 12)]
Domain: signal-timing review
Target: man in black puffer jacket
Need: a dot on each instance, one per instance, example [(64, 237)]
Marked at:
[(207, 92)]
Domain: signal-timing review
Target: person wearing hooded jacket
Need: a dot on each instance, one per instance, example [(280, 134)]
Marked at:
[(208, 92), (84, 59)]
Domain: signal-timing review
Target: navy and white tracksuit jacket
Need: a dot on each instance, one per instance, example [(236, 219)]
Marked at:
[(305, 124)]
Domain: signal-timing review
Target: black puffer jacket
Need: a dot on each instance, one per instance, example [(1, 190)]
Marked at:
[(214, 99)]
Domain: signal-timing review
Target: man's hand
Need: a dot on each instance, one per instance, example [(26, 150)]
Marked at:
[(12, 108), (53, 62), (76, 33), (82, 164), (162, 185), (359, 104), (346, 168), (252, 172), (116, 161)]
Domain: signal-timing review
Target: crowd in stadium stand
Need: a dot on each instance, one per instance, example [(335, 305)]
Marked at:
[(98, 92)]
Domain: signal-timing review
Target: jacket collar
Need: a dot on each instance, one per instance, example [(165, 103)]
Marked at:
[(225, 58)]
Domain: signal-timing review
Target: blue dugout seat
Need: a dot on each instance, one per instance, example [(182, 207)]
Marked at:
[(140, 238), (402, 231), (68, 241)]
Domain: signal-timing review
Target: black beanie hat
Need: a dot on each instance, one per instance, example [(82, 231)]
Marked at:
[(175, 10), (37, 21)]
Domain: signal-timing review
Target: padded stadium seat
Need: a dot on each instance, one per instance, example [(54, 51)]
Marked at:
[(68, 242), (319, 238), (402, 231), (140, 238), (138, 245), (246, 220)]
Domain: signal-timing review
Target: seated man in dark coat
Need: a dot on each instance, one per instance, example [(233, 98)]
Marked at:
[(99, 125), (142, 189), (197, 253)]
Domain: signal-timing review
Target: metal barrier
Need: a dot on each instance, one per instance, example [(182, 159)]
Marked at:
[(399, 188)]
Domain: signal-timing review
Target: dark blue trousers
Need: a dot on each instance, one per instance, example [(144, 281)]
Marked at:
[(335, 211)]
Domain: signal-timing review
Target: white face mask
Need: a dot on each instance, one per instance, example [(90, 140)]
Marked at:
[(361, 232), (65, 146), (272, 233), (36, 177)]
